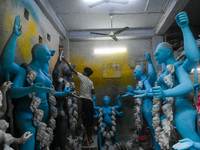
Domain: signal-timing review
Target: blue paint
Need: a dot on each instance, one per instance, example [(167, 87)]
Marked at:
[(20, 89), (8, 53), (185, 115), (107, 121), (147, 83)]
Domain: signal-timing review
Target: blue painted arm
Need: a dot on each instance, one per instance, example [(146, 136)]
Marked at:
[(119, 113), (63, 93), (8, 53), (196, 145), (119, 102), (149, 94), (96, 114), (185, 143), (151, 69), (147, 85), (146, 92), (185, 86), (190, 45), (140, 93), (131, 91), (18, 90)]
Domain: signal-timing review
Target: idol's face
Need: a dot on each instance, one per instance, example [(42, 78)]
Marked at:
[(161, 54), (44, 54), (137, 72), (106, 101)]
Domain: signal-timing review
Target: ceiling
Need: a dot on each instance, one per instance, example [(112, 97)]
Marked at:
[(76, 14), (141, 16), (192, 10)]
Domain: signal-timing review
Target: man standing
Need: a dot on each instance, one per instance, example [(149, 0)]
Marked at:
[(87, 95)]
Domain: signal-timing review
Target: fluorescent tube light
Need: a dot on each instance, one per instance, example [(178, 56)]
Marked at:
[(92, 0), (109, 50)]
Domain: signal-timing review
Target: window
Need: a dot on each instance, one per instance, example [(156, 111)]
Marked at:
[(40, 39), (26, 14), (48, 37)]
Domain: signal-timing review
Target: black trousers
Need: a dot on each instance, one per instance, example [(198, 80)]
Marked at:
[(87, 112)]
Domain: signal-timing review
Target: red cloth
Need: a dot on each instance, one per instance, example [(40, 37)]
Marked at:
[(143, 138), (198, 107)]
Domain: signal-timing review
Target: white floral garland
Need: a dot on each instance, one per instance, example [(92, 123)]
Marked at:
[(137, 115), (72, 107), (111, 133), (44, 132), (163, 135)]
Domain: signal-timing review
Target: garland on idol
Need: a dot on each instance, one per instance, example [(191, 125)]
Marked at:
[(44, 132), (72, 105), (104, 132), (163, 134)]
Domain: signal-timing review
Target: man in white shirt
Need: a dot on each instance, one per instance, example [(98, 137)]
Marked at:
[(87, 95)]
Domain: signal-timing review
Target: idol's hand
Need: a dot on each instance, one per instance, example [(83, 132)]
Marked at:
[(148, 56), (96, 114), (158, 92), (66, 90), (38, 88), (119, 96), (130, 89), (120, 113), (141, 95), (127, 94), (183, 144), (17, 29), (182, 20)]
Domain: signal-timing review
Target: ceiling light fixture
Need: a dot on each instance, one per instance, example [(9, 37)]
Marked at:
[(109, 50), (92, 0), (96, 3)]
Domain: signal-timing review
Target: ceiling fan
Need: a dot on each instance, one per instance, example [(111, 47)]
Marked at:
[(112, 34), (108, 1)]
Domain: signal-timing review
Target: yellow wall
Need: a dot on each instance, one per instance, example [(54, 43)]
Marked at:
[(96, 63), (81, 53)]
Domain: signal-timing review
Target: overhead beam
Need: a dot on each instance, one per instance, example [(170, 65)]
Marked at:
[(174, 7), (53, 18)]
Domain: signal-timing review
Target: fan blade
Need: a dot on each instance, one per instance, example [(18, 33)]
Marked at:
[(114, 37), (96, 4), (121, 30), (99, 33), (119, 1)]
